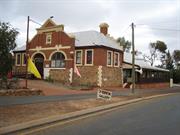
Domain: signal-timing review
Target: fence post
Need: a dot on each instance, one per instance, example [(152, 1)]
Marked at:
[(171, 82)]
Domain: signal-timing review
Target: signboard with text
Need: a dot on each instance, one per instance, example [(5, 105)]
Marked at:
[(104, 94)]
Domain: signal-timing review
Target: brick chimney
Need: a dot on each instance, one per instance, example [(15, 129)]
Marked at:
[(104, 28)]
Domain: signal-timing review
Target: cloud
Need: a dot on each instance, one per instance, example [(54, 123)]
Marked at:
[(79, 15)]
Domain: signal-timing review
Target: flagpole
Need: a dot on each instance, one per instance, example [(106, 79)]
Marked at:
[(27, 51), (73, 67)]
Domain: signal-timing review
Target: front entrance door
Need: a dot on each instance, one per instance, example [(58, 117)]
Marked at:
[(39, 63)]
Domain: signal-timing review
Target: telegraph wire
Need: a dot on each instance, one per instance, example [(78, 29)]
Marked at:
[(35, 22), (156, 28), (158, 23), (123, 32)]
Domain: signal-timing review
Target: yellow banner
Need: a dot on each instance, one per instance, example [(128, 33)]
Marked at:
[(32, 69)]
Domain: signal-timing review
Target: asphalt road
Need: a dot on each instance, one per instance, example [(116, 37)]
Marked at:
[(10, 100), (158, 116)]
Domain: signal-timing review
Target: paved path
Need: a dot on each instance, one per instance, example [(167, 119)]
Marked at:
[(7, 101), (159, 116)]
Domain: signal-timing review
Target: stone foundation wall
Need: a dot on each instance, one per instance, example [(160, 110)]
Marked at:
[(111, 76), (153, 85), (60, 75), (89, 76)]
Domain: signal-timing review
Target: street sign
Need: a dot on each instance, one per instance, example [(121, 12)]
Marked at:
[(104, 94)]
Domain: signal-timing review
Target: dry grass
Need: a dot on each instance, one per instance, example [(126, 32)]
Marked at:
[(23, 113)]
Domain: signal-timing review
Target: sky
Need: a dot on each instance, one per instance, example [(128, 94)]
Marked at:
[(154, 19)]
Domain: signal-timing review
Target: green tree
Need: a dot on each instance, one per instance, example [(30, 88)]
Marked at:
[(176, 56), (8, 36), (125, 43), (157, 50), (169, 61)]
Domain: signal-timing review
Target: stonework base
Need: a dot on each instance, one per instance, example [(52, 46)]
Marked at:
[(90, 76)]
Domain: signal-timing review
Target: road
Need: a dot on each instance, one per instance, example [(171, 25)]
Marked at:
[(9, 100), (158, 116)]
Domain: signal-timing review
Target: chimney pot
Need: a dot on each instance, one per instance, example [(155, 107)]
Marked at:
[(104, 28)]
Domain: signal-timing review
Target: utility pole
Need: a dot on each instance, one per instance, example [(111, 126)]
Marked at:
[(27, 51), (133, 60)]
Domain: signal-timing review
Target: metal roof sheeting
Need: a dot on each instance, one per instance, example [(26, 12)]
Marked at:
[(141, 62), (94, 38)]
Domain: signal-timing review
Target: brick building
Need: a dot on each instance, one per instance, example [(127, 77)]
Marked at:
[(97, 56)]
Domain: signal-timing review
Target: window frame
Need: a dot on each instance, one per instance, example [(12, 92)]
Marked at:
[(86, 64), (55, 61), (17, 59), (109, 65), (118, 55), (81, 57), (23, 59), (48, 35)]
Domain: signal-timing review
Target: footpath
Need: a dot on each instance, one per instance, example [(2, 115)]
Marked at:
[(19, 113)]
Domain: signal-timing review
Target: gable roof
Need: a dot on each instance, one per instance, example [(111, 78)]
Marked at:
[(141, 62), (94, 38), (48, 23)]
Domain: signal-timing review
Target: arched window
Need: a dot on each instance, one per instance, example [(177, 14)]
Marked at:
[(58, 60)]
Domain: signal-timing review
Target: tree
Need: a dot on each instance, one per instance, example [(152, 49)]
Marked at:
[(169, 61), (126, 44), (8, 36), (176, 56), (157, 49)]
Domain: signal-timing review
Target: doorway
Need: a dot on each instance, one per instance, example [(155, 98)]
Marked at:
[(39, 63)]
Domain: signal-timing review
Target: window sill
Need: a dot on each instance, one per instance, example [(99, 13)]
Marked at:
[(88, 65), (79, 65), (55, 68)]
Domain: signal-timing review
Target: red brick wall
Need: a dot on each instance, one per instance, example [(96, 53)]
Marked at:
[(153, 85), (58, 38), (100, 55)]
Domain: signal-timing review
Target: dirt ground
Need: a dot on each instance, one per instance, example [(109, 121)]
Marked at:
[(23, 113), (49, 88)]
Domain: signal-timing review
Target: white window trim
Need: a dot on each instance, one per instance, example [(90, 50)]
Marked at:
[(22, 60), (47, 35), (86, 57), (111, 58), (118, 59), (17, 59), (81, 57)]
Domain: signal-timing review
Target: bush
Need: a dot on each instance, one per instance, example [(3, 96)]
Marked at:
[(49, 79)]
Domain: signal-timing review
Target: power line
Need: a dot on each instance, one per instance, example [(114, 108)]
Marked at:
[(165, 29), (125, 30), (35, 22), (158, 23)]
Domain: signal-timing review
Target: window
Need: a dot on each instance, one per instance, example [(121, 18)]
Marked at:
[(48, 38), (116, 59), (58, 60), (89, 57), (79, 57), (109, 58), (23, 59), (18, 59)]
